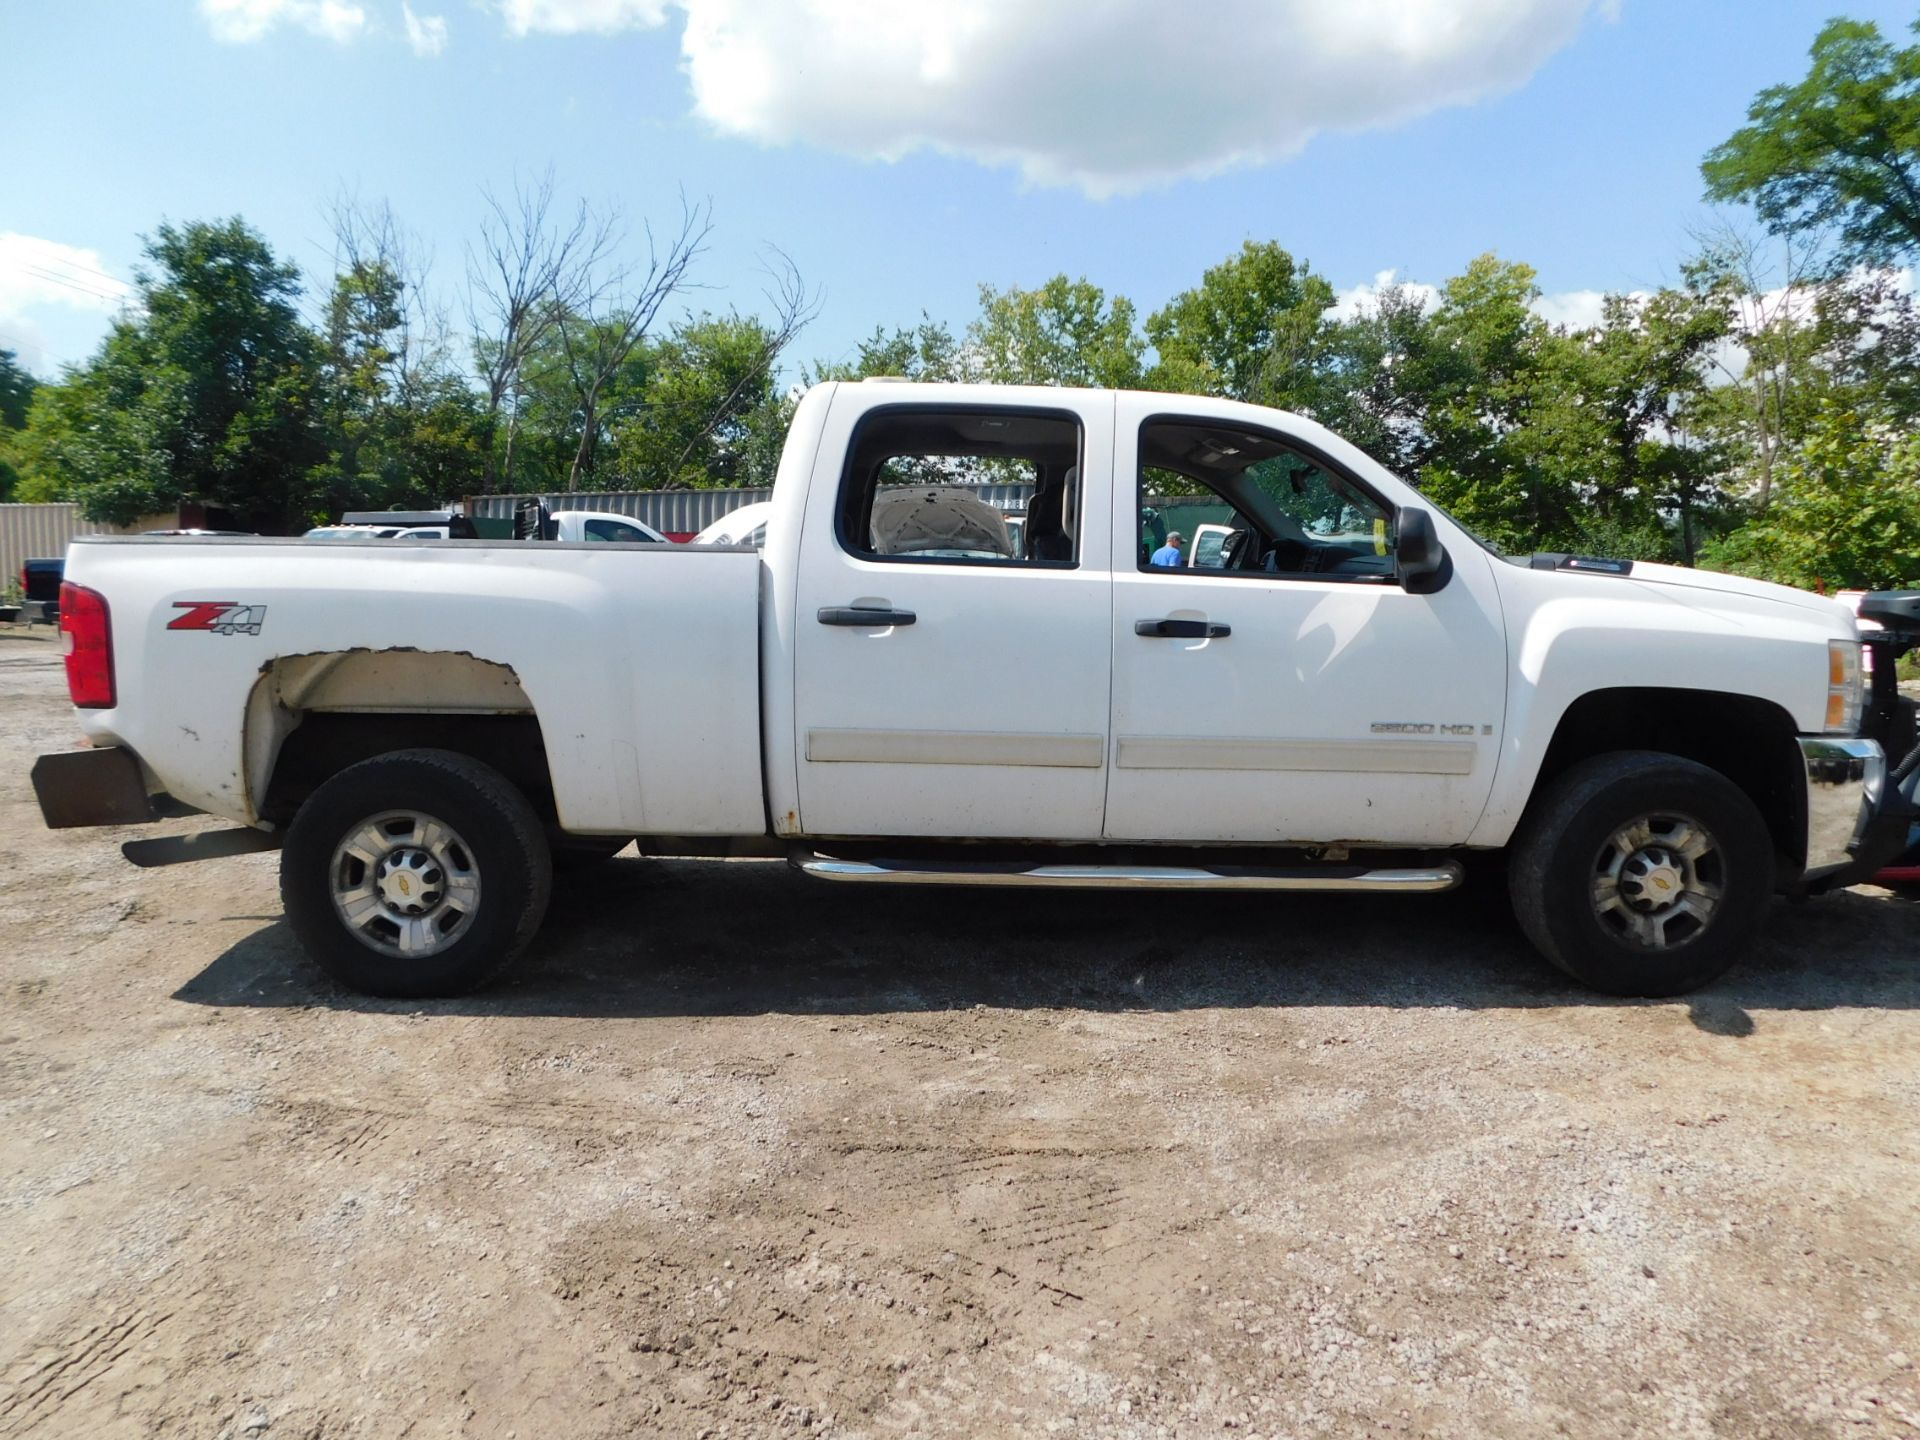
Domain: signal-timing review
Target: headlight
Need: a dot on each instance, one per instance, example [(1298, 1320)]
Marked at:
[(1846, 688)]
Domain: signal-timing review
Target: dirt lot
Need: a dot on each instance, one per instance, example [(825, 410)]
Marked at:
[(742, 1154)]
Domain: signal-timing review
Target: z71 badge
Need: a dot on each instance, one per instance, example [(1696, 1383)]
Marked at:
[(220, 617)]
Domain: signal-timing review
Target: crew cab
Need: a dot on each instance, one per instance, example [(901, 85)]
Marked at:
[(1352, 694)]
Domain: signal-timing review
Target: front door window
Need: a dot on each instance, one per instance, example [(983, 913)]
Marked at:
[(1240, 502)]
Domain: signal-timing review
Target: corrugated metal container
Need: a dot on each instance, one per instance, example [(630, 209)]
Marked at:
[(36, 532), (681, 513), (672, 512)]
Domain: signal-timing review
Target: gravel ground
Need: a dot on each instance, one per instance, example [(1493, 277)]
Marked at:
[(740, 1154)]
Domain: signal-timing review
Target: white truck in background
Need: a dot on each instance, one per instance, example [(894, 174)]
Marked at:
[(745, 526), (1354, 694), (570, 525)]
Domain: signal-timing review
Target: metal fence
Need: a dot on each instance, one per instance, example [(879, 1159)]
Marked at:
[(34, 532), (681, 513)]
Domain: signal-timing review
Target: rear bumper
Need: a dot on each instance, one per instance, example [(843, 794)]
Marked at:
[(92, 787), (1856, 820)]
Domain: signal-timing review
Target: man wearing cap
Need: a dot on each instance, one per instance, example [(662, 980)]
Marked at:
[(1168, 554)]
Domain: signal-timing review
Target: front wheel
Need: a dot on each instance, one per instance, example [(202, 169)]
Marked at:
[(417, 873), (1639, 873)]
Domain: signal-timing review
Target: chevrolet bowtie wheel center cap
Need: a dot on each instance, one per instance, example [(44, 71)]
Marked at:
[(409, 881), (1652, 878)]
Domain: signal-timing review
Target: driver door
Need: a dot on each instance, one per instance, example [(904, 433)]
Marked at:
[(1297, 694)]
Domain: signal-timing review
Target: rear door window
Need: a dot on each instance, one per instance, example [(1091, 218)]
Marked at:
[(940, 485)]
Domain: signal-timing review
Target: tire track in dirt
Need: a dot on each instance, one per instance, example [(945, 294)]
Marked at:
[(918, 1265), (55, 1374)]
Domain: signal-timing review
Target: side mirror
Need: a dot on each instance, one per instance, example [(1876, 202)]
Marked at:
[(1419, 557)]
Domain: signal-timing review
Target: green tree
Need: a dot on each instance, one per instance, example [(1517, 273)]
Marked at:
[(16, 395), (205, 391), (1066, 332), (1769, 384), (1249, 330), (707, 408), (16, 391), (927, 352), (1374, 376), (1807, 342), (1846, 512), (1536, 437), (1839, 148), (536, 431), (1475, 382), (1610, 430), (101, 435), (401, 429)]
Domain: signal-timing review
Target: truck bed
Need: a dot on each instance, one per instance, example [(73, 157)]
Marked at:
[(640, 663)]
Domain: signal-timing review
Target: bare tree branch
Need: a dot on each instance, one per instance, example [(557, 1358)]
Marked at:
[(1769, 320), (528, 269), (368, 239), (612, 309), (793, 308)]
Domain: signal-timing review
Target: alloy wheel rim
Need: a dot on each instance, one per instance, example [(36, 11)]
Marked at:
[(405, 884), (1658, 881)]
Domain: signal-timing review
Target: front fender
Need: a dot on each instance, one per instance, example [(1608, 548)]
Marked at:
[(1607, 634)]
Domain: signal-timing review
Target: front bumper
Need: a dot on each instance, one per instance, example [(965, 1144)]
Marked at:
[(1856, 820)]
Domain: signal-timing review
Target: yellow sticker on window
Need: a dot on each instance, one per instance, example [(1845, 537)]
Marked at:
[(1380, 535)]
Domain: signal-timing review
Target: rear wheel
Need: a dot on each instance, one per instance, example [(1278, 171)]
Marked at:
[(418, 873), (1639, 873)]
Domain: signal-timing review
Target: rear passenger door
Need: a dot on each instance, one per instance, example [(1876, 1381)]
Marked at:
[(950, 681)]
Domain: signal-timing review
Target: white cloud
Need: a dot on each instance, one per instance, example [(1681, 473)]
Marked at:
[(427, 34), (27, 339), (1110, 95), (240, 21), (35, 272), (1113, 96), (579, 17), (47, 287), (1357, 300), (1576, 309)]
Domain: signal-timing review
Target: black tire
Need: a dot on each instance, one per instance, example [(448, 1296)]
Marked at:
[(1591, 907), (496, 839)]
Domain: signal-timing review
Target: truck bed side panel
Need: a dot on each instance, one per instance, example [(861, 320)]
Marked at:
[(640, 661)]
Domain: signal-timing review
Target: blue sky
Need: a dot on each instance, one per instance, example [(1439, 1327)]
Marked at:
[(1129, 141)]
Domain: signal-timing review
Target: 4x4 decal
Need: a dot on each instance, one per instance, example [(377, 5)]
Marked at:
[(221, 617)]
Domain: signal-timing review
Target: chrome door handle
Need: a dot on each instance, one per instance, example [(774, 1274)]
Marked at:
[(1182, 629)]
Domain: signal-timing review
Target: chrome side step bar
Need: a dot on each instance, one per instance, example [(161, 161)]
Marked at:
[(1443, 876)]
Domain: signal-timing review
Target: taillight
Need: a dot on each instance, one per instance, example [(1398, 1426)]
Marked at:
[(89, 633)]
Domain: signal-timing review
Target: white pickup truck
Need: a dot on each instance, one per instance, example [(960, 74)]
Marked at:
[(1352, 693)]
